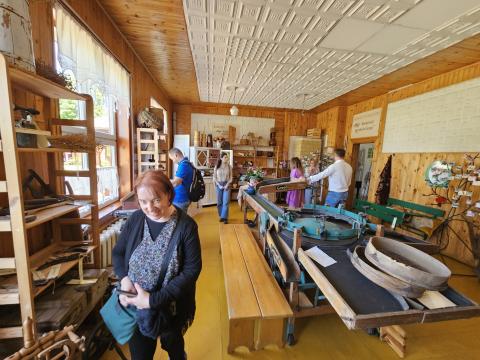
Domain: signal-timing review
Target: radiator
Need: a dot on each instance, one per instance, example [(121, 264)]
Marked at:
[(108, 239)]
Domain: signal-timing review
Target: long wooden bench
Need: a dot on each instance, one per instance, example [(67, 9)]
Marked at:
[(257, 308)]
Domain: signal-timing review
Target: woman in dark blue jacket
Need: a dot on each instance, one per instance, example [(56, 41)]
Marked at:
[(165, 307)]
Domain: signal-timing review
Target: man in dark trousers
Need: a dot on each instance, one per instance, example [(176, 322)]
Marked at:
[(183, 178), (339, 178)]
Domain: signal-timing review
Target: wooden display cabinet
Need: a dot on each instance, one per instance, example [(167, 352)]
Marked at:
[(20, 251), (152, 150)]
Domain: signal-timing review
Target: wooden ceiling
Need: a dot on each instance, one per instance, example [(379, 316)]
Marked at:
[(464, 53), (157, 31)]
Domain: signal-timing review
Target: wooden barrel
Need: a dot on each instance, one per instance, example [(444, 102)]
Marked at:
[(16, 34)]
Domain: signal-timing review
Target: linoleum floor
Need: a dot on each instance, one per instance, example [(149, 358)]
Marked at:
[(323, 337)]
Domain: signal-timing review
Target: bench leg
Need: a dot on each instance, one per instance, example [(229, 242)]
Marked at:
[(241, 333), (270, 331)]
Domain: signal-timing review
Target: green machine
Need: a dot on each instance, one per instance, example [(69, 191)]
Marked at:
[(415, 218)]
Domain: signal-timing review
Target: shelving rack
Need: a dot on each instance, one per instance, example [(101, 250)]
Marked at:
[(21, 290), (242, 153), (152, 150), (245, 153)]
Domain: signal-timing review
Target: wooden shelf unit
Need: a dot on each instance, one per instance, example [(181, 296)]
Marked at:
[(12, 297), (264, 162), (24, 292), (152, 145)]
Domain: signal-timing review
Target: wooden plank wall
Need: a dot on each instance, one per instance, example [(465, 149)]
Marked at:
[(408, 169), (333, 121), (287, 122)]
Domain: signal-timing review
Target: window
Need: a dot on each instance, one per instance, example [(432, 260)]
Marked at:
[(94, 71)]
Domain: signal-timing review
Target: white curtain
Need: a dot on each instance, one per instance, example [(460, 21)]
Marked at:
[(94, 68), (90, 63)]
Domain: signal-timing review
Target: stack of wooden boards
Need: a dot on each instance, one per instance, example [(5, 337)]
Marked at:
[(404, 270), (396, 337), (257, 308), (65, 305)]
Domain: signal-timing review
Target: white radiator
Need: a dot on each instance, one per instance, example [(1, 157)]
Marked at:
[(108, 239)]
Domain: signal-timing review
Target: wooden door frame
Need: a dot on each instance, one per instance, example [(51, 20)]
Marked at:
[(355, 145)]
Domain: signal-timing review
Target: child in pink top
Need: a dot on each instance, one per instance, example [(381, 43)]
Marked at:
[(295, 197)]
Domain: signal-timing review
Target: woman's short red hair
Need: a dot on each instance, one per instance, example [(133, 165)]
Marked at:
[(157, 182)]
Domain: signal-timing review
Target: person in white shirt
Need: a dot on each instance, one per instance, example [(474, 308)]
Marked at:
[(339, 177)]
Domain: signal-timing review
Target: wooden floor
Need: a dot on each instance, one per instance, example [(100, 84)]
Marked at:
[(324, 337)]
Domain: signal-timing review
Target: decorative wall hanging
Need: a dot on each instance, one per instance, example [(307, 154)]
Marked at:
[(383, 189), (456, 188), (438, 174)]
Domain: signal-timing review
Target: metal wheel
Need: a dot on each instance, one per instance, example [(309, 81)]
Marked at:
[(99, 341)]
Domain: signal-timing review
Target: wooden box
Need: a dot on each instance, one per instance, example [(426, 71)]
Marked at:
[(53, 310), (64, 307), (96, 290)]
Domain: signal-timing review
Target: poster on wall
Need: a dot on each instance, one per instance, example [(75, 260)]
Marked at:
[(366, 124), (443, 120)]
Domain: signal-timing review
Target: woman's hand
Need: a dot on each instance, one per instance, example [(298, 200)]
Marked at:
[(141, 301), (126, 285)]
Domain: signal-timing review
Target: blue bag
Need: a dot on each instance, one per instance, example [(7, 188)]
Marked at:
[(120, 321)]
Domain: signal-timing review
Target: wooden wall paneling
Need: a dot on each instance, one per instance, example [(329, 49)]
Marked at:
[(157, 30), (333, 122), (463, 53), (124, 151), (408, 169), (287, 122), (182, 118), (42, 29)]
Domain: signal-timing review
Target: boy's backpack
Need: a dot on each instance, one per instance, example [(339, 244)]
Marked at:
[(197, 187)]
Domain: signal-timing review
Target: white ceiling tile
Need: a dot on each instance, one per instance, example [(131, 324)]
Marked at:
[(222, 25), (275, 15), (197, 5), (323, 24), (339, 7), (390, 39), (250, 12), (276, 49), (365, 9), (349, 33), (224, 8), (430, 14)]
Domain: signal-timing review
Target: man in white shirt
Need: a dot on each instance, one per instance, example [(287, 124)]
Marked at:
[(339, 177)]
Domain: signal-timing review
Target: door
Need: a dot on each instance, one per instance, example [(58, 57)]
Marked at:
[(363, 169)]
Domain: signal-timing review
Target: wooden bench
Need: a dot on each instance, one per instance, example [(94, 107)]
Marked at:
[(257, 308)]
